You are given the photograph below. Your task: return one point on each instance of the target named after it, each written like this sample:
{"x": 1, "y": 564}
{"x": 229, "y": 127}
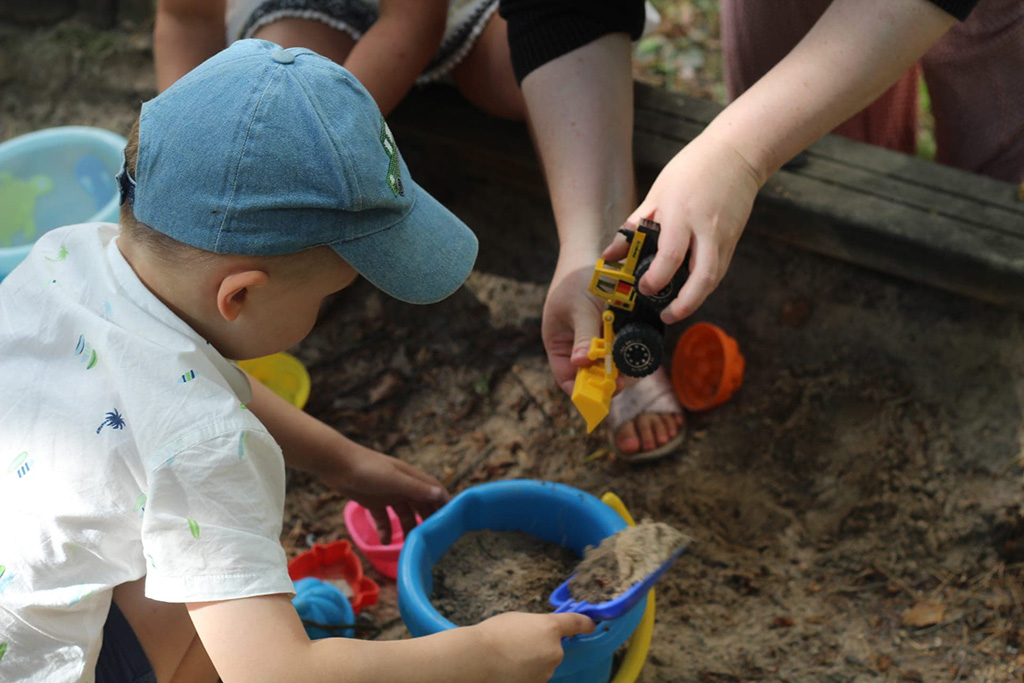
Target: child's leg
{"x": 757, "y": 35}
{"x": 165, "y": 632}
{"x": 485, "y": 76}
{"x": 309, "y": 33}
{"x": 977, "y": 94}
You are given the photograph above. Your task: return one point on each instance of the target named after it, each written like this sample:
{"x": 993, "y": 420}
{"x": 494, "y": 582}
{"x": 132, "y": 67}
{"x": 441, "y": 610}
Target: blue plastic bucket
{"x": 51, "y": 178}
{"x": 551, "y": 512}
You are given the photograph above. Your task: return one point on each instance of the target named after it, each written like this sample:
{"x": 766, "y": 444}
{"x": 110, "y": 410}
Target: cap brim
{"x": 422, "y": 259}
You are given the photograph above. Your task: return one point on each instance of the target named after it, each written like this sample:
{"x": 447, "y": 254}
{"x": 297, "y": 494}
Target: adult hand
{"x": 572, "y": 316}
{"x": 702, "y": 199}
{"x": 526, "y": 648}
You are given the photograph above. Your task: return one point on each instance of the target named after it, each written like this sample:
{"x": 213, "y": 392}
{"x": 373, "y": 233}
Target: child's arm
{"x": 262, "y": 639}
{"x": 704, "y": 196}
{"x": 373, "y": 479}
{"x": 397, "y": 47}
{"x": 186, "y": 33}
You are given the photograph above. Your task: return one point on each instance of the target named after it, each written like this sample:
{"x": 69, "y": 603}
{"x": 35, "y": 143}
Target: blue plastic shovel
{"x": 562, "y": 601}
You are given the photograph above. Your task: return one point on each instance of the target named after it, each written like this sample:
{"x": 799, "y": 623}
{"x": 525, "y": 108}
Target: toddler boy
{"x": 144, "y": 495}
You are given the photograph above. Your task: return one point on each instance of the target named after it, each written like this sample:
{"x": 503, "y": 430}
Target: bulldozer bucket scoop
{"x": 592, "y": 394}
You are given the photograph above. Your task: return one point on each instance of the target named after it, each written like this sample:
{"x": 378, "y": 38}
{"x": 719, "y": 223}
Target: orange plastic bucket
{"x": 707, "y": 367}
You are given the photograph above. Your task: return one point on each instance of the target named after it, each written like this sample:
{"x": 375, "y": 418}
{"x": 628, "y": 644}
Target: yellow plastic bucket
{"x": 283, "y": 374}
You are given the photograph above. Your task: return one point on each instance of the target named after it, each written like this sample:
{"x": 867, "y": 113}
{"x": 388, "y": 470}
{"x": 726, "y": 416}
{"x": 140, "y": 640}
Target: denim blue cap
{"x": 261, "y": 151}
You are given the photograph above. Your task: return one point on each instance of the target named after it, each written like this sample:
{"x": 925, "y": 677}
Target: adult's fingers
{"x": 673, "y": 244}
{"x": 617, "y": 250}
{"x": 560, "y": 350}
{"x": 704, "y": 277}
{"x": 563, "y": 370}
{"x": 586, "y": 326}
{"x": 567, "y": 354}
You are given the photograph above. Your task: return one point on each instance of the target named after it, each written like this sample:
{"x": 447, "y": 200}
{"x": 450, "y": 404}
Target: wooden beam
{"x": 879, "y": 209}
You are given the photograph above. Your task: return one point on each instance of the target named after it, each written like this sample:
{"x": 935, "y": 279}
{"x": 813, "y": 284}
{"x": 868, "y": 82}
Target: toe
{"x": 646, "y": 428}
{"x": 660, "y": 430}
{"x": 670, "y": 422}
{"x": 648, "y": 432}
{"x": 627, "y": 440}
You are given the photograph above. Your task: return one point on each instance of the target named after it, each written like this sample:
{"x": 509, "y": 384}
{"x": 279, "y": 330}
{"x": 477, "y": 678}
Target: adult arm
{"x": 703, "y": 197}
{"x": 581, "y": 112}
{"x": 573, "y": 60}
{"x": 397, "y": 47}
{"x": 186, "y": 33}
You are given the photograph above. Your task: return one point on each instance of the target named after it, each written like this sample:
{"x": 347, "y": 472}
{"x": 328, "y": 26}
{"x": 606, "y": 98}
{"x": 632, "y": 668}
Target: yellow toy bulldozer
{"x": 633, "y": 334}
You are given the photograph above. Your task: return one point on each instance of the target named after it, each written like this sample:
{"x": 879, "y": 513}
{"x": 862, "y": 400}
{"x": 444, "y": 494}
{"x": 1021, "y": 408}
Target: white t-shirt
{"x": 126, "y": 450}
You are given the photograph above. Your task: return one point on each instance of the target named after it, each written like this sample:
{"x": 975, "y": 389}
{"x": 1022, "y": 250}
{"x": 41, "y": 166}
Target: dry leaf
{"x": 924, "y": 614}
{"x": 386, "y": 387}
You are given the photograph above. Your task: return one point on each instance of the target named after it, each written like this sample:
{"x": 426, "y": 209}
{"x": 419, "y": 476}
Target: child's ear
{"x": 234, "y": 291}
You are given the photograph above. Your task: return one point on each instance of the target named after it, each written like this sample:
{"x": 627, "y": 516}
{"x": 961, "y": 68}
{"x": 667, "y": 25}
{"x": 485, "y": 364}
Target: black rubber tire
{"x": 638, "y": 350}
{"x": 660, "y": 300}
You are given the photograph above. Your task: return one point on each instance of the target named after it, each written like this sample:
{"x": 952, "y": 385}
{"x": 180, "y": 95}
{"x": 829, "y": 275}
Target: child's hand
{"x": 372, "y": 479}
{"x": 526, "y": 648}
{"x": 375, "y": 481}
{"x": 702, "y": 198}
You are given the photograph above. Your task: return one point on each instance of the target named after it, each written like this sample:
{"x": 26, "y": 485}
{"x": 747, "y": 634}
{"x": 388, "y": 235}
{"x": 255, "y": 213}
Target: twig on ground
{"x": 899, "y": 582}
{"x": 935, "y": 627}
{"x": 470, "y": 467}
{"x": 980, "y": 647}
{"x": 531, "y": 398}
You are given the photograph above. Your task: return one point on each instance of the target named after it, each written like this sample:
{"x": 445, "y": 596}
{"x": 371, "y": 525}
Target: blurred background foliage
{"x": 684, "y": 54}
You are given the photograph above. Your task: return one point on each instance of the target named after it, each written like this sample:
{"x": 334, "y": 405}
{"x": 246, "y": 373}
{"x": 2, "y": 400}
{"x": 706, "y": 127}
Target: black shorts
{"x": 122, "y": 659}
{"x": 541, "y": 30}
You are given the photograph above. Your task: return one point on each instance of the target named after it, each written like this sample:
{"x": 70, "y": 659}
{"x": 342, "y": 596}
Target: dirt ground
{"x": 857, "y": 509}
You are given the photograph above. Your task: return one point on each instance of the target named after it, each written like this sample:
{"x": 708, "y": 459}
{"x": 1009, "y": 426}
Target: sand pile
{"x": 607, "y": 571}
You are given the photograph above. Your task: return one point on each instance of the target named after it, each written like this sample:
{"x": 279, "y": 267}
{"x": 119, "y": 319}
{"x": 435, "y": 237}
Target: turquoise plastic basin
{"x": 51, "y": 178}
